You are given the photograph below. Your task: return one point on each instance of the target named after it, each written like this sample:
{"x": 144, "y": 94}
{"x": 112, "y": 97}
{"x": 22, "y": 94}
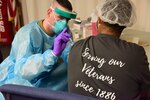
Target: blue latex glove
{"x": 60, "y": 42}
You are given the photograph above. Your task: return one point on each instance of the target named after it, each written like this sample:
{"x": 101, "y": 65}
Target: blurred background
{"x": 25, "y": 11}
{"x": 36, "y": 9}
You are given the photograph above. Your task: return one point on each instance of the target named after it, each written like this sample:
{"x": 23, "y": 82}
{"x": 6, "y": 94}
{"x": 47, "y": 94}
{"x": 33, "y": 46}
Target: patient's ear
{"x": 100, "y": 25}
{"x": 100, "y": 21}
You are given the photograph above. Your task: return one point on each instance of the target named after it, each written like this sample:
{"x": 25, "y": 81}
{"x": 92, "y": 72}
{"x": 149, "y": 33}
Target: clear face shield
{"x": 61, "y": 23}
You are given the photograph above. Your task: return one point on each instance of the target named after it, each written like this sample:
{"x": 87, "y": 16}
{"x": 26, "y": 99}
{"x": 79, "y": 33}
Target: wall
{"x": 36, "y": 9}
{"x": 143, "y": 15}
{"x": 84, "y": 7}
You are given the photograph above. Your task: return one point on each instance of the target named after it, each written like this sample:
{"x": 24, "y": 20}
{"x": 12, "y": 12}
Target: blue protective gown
{"x": 31, "y": 61}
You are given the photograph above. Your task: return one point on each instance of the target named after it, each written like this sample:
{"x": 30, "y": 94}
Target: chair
{"x": 18, "y": 92}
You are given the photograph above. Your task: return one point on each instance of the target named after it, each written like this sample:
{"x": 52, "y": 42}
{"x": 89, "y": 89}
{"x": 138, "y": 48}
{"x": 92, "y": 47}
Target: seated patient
{"x": 107, "y": 67}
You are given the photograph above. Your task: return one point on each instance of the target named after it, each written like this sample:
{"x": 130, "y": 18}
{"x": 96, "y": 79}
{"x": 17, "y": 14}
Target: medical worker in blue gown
{"x": 39, "y": 51}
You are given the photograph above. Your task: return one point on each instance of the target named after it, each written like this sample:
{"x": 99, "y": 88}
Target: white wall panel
{"x": 36, "y": 9}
